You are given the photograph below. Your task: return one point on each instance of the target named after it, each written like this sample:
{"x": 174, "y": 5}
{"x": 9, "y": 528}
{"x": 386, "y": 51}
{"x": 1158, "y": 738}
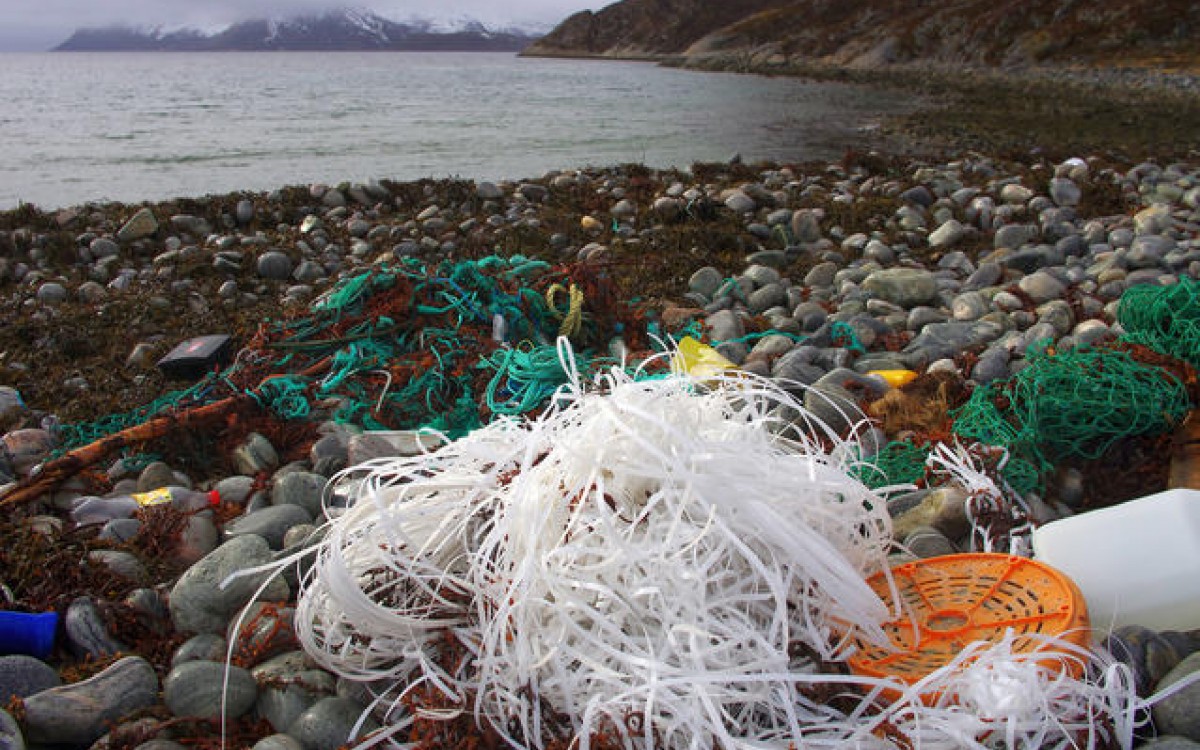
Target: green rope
{"x": 283, "y": 395}
{"x": 524, "y": 379}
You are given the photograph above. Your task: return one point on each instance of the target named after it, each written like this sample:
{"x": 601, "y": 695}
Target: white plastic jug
{"x": 1137, "y": 563}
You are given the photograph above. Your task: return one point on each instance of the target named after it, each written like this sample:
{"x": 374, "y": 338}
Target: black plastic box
{"x": 195, "y": 357}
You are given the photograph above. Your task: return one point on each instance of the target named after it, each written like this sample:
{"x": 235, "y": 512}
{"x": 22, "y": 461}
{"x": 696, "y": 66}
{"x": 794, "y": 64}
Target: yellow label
{"x": 161, "y": 496}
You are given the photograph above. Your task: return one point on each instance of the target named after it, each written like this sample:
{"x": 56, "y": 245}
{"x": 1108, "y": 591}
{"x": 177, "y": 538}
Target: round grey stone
{"x": 822, "y": 275}
{"x": 830, "y": 401}
{"x": 724, "y": 325}
{"x": 203, "y": 647}
{"x": 987, "y": 274}
{"x": 300, "y": 488}
{"x": 22, "y": 676}
{"x": 199, "y": 603}
{"x": 141, "y": 225}
{"x": 992, "y": 365}
{"x": 1013, "y": 236}
{"x": 906, "y": 287}
{"x": 488, "y": 191}
{"x": 797, "y": 366}
{"x": 254, "y": 455}
{"x": 274, "y": 265}
{"x": 199, "y": 688}
{"x": 328, "y": 724}
{"x": 970, "y": 306}
{"x": 1179, "y": 714}
{"x": 282, "y": 701}
{"x": 156, "y": 474}
{"x": 11, "y": 737}
{"x": 1042, "y": 287}
{"x": 739, "y": 202}
{"x": 52, "y": 293}
{"x": 244, "y": 212}
{"x": 1065, "y": 192}
{"x": 80, "y": 713}
{"x": 308, "y": 271}
{"x": 86, "y": 631}
{"x": 270, "y": 523}
{"x": 771, "y": 295}
{"x": 278, "y": 742}
{"x": 948, "y": 234}
{"x": 235, "y": 490}
{"x": 1170, "y": 742}
{"x": 806, "y": 228}
{"x": 103, "y": 247}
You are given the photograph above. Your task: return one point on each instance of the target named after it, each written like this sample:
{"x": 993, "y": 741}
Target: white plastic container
{"x": 1137, "y": 563}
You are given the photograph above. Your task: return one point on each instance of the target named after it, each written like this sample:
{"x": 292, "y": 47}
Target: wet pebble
{"x": 79, "y": 713}
{"x": 270, "y": 523}
{"x": 22, "y": 675}
{"x": 87, "y": 635}
{"x": 328, "y": 724}
{"x": 199, "y": 603}
{"x": 202, "y": 647}
{"x": 300, "y": 488}
{"x": 201, "y": 688}
{"x": 11, "y": 737}
{"x": 1179, "y": 714}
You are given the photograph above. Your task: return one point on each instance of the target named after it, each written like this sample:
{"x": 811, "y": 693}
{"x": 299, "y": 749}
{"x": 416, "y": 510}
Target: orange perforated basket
{"x": 948, "y": 602}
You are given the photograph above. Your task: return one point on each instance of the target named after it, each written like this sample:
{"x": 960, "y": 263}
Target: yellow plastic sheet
{"x": 701, "y": 360}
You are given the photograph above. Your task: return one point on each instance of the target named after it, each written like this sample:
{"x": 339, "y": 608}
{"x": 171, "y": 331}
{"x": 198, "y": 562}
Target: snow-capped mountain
{"x": 345, "y": 29}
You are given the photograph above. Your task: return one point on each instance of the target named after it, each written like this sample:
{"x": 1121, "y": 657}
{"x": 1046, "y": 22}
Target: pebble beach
{"x": 962, "y": 269}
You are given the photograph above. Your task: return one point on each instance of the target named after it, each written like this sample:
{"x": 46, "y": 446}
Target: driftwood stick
{"x": 69, "y": 464}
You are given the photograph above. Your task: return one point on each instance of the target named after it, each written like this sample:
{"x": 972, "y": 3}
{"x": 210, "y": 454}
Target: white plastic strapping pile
{"x": 638, "y": 565}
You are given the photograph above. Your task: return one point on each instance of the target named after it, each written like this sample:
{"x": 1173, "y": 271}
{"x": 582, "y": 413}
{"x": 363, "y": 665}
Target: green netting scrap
{"x": 898, "y": 462}
{"x": 1074, "y": 403}
{"x": 1164, "y": 318}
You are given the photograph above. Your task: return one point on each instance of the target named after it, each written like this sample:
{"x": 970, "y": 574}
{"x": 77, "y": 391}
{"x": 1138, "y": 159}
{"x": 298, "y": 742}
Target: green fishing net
{"x": 1076, "y": 403}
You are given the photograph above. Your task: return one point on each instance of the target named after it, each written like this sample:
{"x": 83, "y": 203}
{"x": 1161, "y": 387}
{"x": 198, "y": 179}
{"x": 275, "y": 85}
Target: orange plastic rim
{"x": 951, "y": 601}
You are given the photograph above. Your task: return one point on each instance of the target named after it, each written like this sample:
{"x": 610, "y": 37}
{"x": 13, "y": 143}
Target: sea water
{"x": 79, "y": 127}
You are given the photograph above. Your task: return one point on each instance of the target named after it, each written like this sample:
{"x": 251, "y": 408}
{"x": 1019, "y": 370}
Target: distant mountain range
{"x": 335, "y": 30}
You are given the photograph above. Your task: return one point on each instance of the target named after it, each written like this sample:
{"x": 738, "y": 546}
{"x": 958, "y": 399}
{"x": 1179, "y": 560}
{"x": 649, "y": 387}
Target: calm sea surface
{"x": 77, "y": 127}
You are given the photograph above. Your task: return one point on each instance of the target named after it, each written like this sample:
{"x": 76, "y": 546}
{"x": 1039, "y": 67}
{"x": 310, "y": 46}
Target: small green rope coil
{"x": 283, "y": 395}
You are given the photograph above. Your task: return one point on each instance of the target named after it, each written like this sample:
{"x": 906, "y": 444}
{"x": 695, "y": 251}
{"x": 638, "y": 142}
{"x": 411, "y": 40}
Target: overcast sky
{"x": 40, "y": 24}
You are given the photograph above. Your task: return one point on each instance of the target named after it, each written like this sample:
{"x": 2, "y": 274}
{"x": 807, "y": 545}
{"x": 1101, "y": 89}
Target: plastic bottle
{"x": 179, "y": 498}
{"x": 101, "y": 510}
